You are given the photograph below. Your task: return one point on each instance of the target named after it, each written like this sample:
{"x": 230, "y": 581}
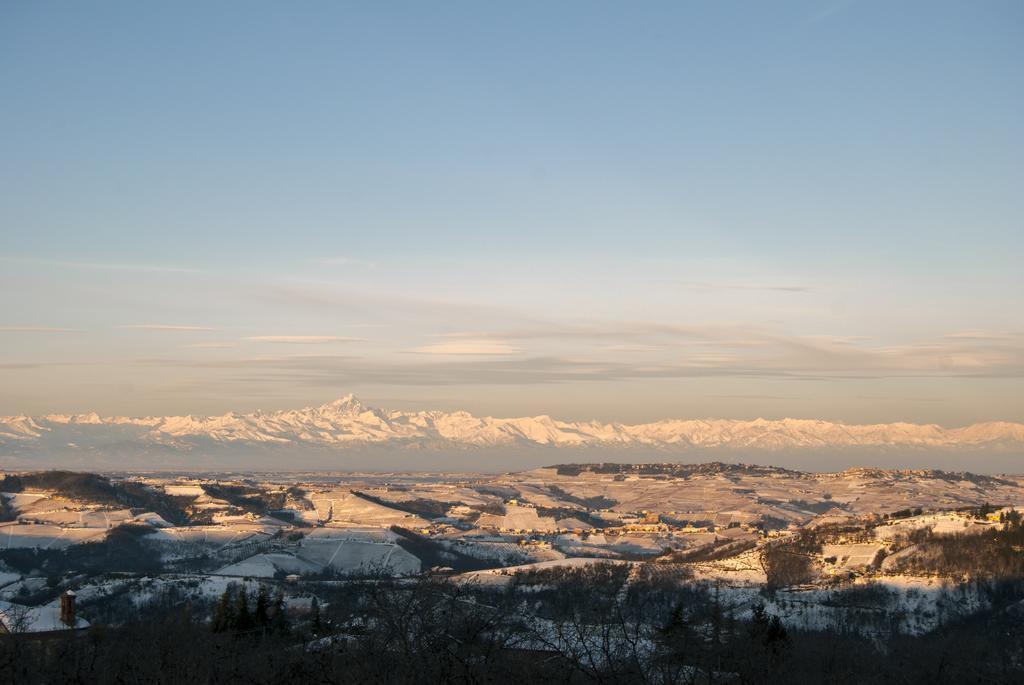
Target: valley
{"x": 705, "y": 525}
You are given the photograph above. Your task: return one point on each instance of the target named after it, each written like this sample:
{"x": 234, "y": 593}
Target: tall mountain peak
{"x": 347, "y": 404}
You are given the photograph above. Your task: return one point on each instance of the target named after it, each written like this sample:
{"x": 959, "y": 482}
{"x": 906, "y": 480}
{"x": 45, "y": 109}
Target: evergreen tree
{"x": 776, "y": 635}
{"x": 224, "y": 616}
{"x": 760, "y": 620}
{"x": 280, "y": 619}
{"x": 677, "y": 636}
{"x": 261, "y": 617}
{"x": 314, "y": 617}
{"x": 768, "y": 637}
{"x": 243, "y": 618}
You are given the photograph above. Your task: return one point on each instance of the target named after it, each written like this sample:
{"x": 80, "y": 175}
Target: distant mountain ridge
{"x": 347, "y": 422}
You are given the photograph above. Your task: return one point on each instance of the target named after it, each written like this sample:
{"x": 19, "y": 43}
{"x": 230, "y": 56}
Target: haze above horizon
{"x": 588, "y": 211}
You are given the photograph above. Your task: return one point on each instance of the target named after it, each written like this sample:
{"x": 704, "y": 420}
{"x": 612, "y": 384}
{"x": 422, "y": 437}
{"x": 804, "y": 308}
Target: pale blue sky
{"x": 623, "y": 211}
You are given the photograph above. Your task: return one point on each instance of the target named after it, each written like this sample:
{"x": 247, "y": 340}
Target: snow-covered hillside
{"x": 348, "y": 422}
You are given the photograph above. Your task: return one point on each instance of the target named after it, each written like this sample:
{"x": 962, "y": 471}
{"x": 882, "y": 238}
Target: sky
{"x": 620, "y": 211}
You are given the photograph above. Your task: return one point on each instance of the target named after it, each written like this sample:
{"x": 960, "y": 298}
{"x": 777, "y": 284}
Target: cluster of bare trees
{"x": 784, "y": 567}
{"x": 996, "y": 554}
{"x": 581, "y": 626}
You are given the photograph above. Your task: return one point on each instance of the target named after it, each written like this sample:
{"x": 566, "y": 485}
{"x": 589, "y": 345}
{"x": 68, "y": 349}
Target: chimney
{"x": 67, "y": 609}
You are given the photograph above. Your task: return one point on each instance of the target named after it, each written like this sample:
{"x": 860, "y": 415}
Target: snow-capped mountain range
{"x": 348, "y": 423}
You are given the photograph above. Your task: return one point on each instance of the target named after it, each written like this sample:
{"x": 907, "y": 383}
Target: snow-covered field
{"x": 355, "y": 550}
{"x": 343, "y": 508}
{"x": 713, "y": 521}
{"x": 503, "y": 576}
{"x": 46, "y": 536}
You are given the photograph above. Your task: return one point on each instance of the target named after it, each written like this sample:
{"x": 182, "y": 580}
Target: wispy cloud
{"x": 100, "y": 266}
{"x": 486, "y": 361}
{"x": 212, "y": 346}
{"x": 605, "y": 330}
{"x": 17, "y": 366}
{"x": 785, "y": 288}
{"x": 341, "y": 371}
{"x": 37, "y": 329}
{"x": 976, "y": 334}
{"x": 334, "y": 296}
{"x": 632, "y": 348}
{"x": 758, "y": 398}
{"x": 304, "y": 339}
{"x": 469, "y": 347}
{"x": 167, "y": 327}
